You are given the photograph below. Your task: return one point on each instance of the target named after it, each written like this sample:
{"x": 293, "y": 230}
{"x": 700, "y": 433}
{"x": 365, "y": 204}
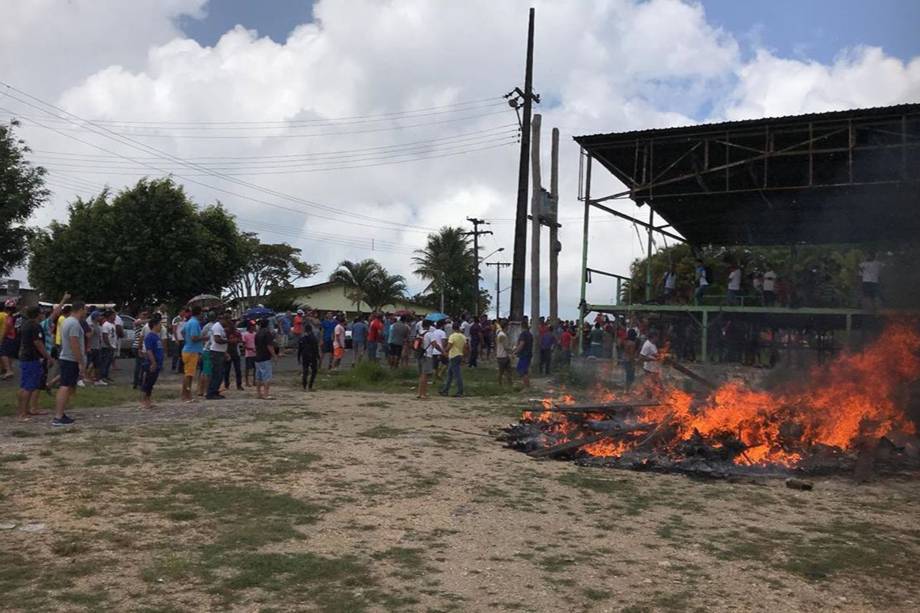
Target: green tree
{"x": 385, "y": 289}
{"x": 448, "y": 263}
{"x": 148, "y": 244}
{"x": 357, "y": 278}
{"x": 269, "y": 268}
{"x": 22, "y": 190}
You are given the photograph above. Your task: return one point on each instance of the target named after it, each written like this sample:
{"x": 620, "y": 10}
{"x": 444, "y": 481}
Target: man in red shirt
{"x": 374, "y": 337}
{"x": 565, "y": 343}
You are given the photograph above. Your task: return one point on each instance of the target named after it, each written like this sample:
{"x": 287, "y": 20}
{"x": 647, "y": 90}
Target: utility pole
{"x": 520, "y": 218}
{"x": 475, "y": 234}
{"x": 498, "y": 282}
{"x": 554, "y": 245}
{"x": 535, "y": 213}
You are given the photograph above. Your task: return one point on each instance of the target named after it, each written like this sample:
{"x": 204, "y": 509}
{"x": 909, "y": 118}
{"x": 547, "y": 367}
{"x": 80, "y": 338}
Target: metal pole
{"x": 648, "y": 255}
{"x": 705, "y": 341}
{"x": 554, "y": 230}
{"x": 535, "y": 226}
{"x": 584, "y": 259}
{"x": 520, "y": 218}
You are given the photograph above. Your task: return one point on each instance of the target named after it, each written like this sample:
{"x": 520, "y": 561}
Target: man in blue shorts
{"x": 72, "y": 362}
{"x": 524, "y": 351}
{"x": 32, "y": 353}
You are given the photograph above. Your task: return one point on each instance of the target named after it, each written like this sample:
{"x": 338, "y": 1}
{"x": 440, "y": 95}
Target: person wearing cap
{"x": 297, "y": 325}
{"x": 72, "y": 361}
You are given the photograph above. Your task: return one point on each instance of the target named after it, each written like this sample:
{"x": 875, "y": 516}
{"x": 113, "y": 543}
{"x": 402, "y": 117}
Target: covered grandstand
{"x": 845, "y": 177}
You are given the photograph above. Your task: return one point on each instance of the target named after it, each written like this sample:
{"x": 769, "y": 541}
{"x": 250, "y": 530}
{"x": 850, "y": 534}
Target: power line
{"x": 293, "y": 156}
{"x": 448, "y": 108}
{"x": 141, "y": 146}
{"x": 97, "y": 169}
{"x": 285, "y": 135}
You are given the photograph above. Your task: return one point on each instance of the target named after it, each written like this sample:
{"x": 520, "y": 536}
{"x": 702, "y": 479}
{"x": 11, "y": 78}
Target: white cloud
{"x": 606, "y": 66}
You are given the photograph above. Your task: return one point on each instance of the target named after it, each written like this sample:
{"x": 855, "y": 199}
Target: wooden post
{"x": 535, "y": 226}
{"x": 520, "y": 217}
{"x": 554, "y": 231}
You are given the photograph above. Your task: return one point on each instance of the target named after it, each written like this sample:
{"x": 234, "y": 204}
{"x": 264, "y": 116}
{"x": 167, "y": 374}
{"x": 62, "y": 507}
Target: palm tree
{"x": 447, "y": 263}
{"x": 385, "y": 289}
{"x": 357, "y": 277}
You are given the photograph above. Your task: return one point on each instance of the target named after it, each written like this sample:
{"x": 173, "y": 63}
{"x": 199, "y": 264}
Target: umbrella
{"x": 258, "y": 313}
{"x": 206, "y": 301}
{"x": 435, "y": 316}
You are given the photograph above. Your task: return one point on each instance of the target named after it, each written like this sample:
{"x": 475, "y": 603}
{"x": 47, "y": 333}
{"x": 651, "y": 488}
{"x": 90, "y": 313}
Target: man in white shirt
{"x": 702, "y": 279}
{"x": 651, "y": 366}
{"x": 217, "y": 346}
{"x": 870, "y": 271}
{"x": 502, "y": 352}
{"x": 769, "y": 287}
{"x": 433, "y": 346}
{"x": 734, "y": 284}
{"x": 109, "y": 344}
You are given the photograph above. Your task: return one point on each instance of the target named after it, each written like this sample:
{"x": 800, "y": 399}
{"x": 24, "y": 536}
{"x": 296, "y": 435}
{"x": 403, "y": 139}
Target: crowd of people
{"x": 75, "y": 345}
{"x": 761, "y": 286}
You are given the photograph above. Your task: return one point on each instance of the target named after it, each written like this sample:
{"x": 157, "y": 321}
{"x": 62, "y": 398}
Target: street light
{"x": 499, "y": 250}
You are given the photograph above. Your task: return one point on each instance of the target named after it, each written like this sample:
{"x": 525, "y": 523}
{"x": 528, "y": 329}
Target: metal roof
{"x": 841, "y": 176}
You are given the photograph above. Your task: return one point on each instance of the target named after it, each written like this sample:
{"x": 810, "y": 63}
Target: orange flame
{"x": 858, "y": 396}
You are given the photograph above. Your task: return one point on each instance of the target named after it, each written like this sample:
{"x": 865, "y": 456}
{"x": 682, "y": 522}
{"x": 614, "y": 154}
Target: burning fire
{"x": 858, "y": 397}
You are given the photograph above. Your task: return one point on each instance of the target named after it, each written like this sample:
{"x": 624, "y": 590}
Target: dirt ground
{"x": 350, "y": 501}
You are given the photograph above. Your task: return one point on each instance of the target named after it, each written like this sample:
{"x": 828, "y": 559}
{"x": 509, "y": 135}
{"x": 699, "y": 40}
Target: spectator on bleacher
{"x": 870, "y": 270}
{"x": 702, "y": 279}
{"x": 769, "y": 287}
{"x": 734, "y": 285}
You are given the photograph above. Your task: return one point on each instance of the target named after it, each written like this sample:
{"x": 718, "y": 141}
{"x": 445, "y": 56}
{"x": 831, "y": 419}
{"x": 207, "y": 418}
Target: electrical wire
{"x": 443, "y": 108}
{"x": 296, "y": 156}
{"x": 143, "y": 147}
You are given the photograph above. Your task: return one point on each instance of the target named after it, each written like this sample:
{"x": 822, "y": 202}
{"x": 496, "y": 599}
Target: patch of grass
{"x": 169, "y": 567}
{"x": 373, "y": 377}
{"x": 593, "y": 594}
{"x": 96, "y": 397}
{"x": 182, "y": 515}
{"x": 69, "y": 547}
{"x": 85, "y": 511}
{"x": 376, "y": 404}
{"x": 293, "y": 462}
{"x": 382, "y": 431}
{"x": 23, "y": 434}
{"x": 13, "y": 457}
{"x": 555, "y": 563}
{"x": 90, "y": 600}
{"x": 334, "y": 584}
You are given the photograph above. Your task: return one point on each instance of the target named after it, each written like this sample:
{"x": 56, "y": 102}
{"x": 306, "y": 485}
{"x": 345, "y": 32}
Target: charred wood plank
{"x": 686, "y": 371}
{"x": 548, "y": 452}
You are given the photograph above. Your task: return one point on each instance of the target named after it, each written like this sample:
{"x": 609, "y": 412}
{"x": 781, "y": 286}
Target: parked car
{"x": 128, "y": 339}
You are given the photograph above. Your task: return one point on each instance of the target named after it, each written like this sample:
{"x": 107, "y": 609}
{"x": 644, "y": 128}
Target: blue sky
{"x": 815, "y": 29}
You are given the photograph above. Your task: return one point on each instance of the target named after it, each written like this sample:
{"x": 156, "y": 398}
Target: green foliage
{"x": 22, "y": 190}
{"x": 816, "y": 275}
{"x": 149, "y": 244}
{"x": 269, "y": 268}
{"x": 369, "y": 282}
{"x": 448, "y": 263}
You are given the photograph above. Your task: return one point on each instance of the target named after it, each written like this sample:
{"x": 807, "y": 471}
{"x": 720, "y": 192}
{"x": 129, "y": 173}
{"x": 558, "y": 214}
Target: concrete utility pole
{"x": 520, "y": 218}
{"x": 535, "y": 211}
{"x": 554, "y": 245}
{"x": 475, "y": 234}
{"x": 498, "y": 282}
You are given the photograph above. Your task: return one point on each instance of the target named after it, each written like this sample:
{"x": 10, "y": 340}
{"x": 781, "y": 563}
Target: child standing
{"x": 153, "y": 360}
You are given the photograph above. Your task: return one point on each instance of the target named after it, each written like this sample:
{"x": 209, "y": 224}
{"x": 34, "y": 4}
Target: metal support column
{"x": 648, "y": 255}
{"x": 705, "y": 342}
{"x": 584, "y": 260}
{"x": 848, "y": 339}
